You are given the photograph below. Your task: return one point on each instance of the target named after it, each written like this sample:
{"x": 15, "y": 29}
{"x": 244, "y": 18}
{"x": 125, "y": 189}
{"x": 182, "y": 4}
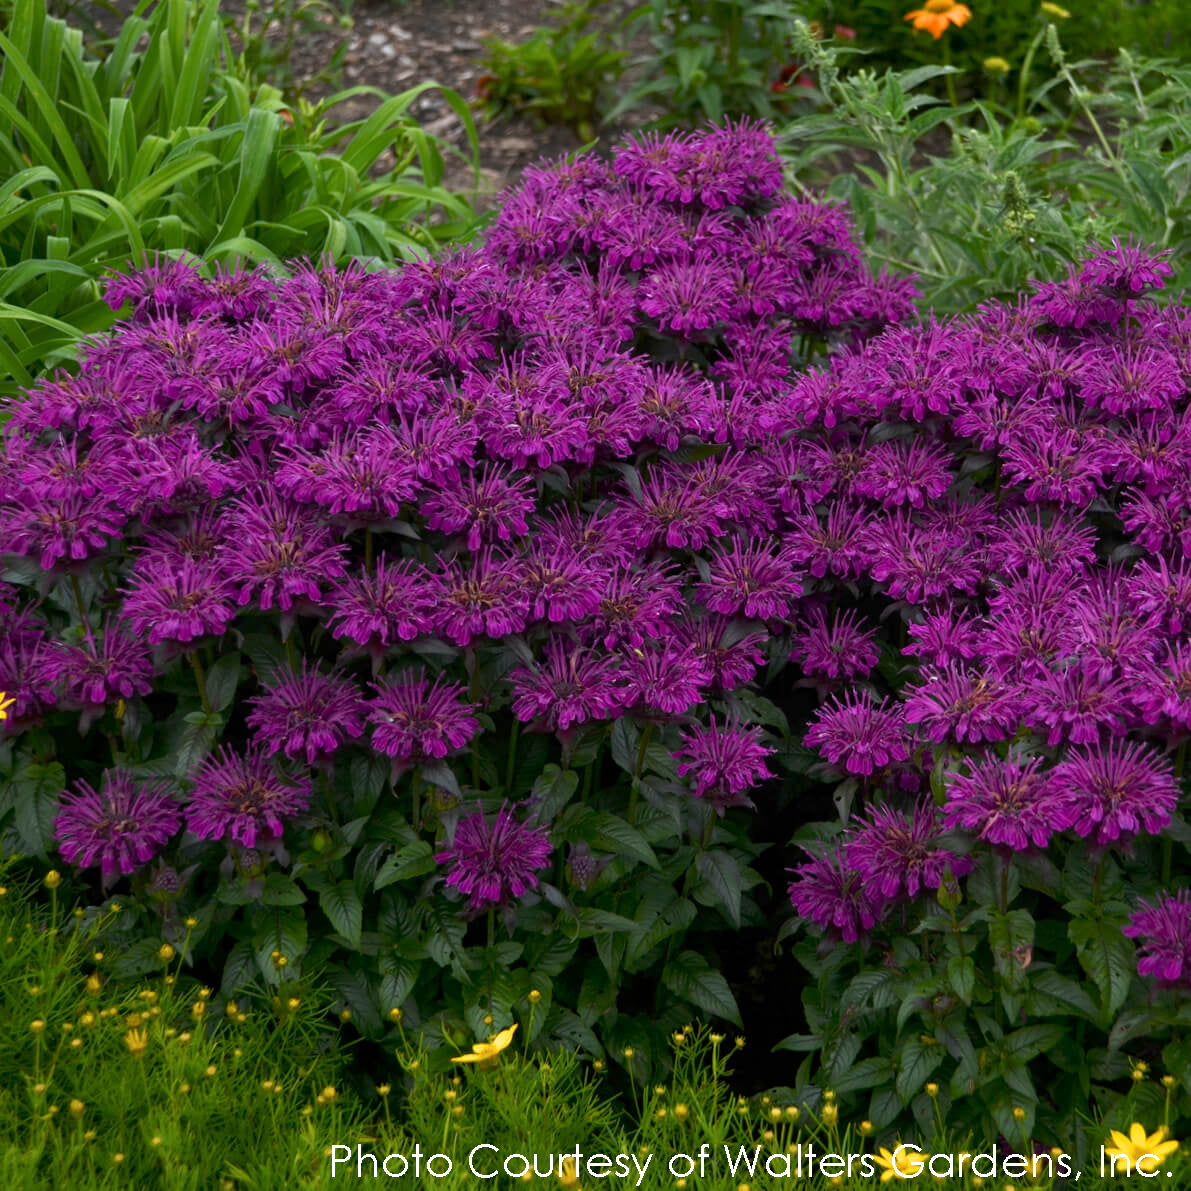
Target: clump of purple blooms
{"x": 591, "y": 449}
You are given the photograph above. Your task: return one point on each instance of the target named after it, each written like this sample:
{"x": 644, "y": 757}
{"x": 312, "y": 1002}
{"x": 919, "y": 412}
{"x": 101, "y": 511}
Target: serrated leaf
{"x": 721, "y": 873}
{"x": 222, "y": 680}
{"x": 915, "y": 1066}
{"x": 413, "y": 860}
{"x": 281, "y": 890}
{"x": 690, "y": 977}
{"x": 341, "y": 904}
{"x": 610, "y": 833}
{"x": 551, "y": 792}
{"x": 961, "y": 975}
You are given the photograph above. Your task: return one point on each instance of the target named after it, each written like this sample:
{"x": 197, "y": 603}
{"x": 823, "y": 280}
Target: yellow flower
{"x": 5, "y": 704}
{"x": 937, "y": 16}
{"x": 137, "y": 1042}
{"x": 1144, "y": 1154}
{"x": 485, "y": 1051}
{"x": 1054, "y": 10}
{"x": 906, "y": 1162}
{"x": 568, "y": 1176}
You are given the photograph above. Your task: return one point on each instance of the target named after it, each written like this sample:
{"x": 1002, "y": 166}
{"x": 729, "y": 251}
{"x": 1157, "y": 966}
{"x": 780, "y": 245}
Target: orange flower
{"x": 938, "y": 16}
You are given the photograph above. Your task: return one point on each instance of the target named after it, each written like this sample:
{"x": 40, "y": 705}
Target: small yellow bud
{"x": 597, "y": 1064}
{"x": 77, "y": 1108}
{"x": 198, "y": 1009}
{"x": 231, "y": 1009}
{"x": 38, "y": 1089}
{"x": 155, "y": 1141}
{"x": 792, "y": 1112}
{"x": 739, "y": 1043}
{"x": 329, "y": 1093}
{"x": 866, "y": 1128}
{"x": 383, "y": 1089}
{"x": 1054, "y": 10}
{"x": 830, "y": 1114}
{"x": 165, "y": 953}
{"x": 996, "y": 66}
{"x": 457, "y": 1111}
{"x": 775, "y": 1113}
{"x": 75, "y": 1043}
{"x": 661, "y": 1114}
{"x": 117, "y": 1159}
{"x": 932, "y": 1090}
{"x": 292, "y": 1004}
{"x": 1019, "y": 1113}
{"x": 37, "y": 1025}
{"x": 395, "y": 1014}
{"x": 94, "y": 984}
{"x": 534, "y": 996}
{"x": 204, "y": 994}
{"x": 191, "y": 923}
{"x": 90, "y": 1135}
{"x": 53, "y": 879}
{"x": 345, "y": 1015}
{"x": 628, "y": 1052}
{"x": 681, "y": 1112}
{"x": 1168, "y": 1081}
{"x": 184, "y": 1088}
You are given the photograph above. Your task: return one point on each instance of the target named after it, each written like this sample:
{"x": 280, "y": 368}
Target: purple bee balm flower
{"x": 668, "y": 677}
{"x": 167, "y": 283}
{"x": 490, "y": 505}
{"x": 836, "y": 544}
{"x": 419, "y": 721}
{"x": 964, "y": 705}
{"x": 562, "y": 585}
{"x": 1013, "y": 803}
{"x": 916, "y": 562}
{"x": 1078, "y": 705}
{"x": 898, "y": 854}
{"x": 1163, "y": 591}
{"x": 243, "y": 798}
{"x": 828, "y": 892}
{"x": 65, "y": 527}
{"x": 486, "y": 598}
{"x": 189, "y": 600}
{"x": 1161, "y": 689}
{"x": 120, "y": 827}
{"x": 99, "y": 670}
{"x": 1061, "y": 465}
{"x": 1127, "y": 270}
{"x": 910, "y": 472}
{"x": 573, "y": 684}
{"x": 757, "y": 579}
{"x": 1056, "y": 542}
{"x": 678, "y": 513}
{"x": 674, "y": 403}
{"x": 686, "y": 296}
{"x": 945, "y": 636}
{"x": 307, "y": 714}
{"x": 724, "y": 762}
{"x": 858, "y": 734}
{"x": 494, "y": 863}
{"x": 393, "y": 603}
{"x": 840, "y": 650}
{"x": 1121, "y": 789}
{"x": 731, "y": 651}
{"x": 277, "y": 551}
{"x": 634, "y": 605}
{"x": 1164, "y": 928}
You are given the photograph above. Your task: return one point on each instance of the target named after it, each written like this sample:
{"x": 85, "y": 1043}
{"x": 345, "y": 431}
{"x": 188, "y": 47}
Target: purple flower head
{"x": 829, "y": 892}
{"x": 724, "y": 762}
{"x": 417, "y": 720}
{"x": 121, "y": 827}
{"x": 669, "y": 676}
{"x": 1126, "y": 270}
{"x": 687, "y": 297}
{"x": 562, "y": 585}
{"x": 102, "y": 669}
{"x": 1164, "y": 928}
{"x": 1120, "y": 790}
{"x": 899, "y": 854}
{"x": 909, "y": 472}
{"x": 573, "y": 684}
{"x": 634, "y": 606}
{"x": 490, "y": 505}
{"x": 243, "y": 798}
{"x": 493, "y": 863}
{"x": 962, "y": 704}
{"x": 276, "y": 551}
{"x": 166, "y": 284}
{"x": 189, "y": 600}
{"x": 858, "y": 734}
{"x": 757, "y": 579}
{"x": 841, "y": 650}
{"x": 393, "y": 603}
{"x": 485, "y": 598}
{"x": 731, "y": 650}
{"x": 308, "y": 714}
{"x": 1014, "y": 803}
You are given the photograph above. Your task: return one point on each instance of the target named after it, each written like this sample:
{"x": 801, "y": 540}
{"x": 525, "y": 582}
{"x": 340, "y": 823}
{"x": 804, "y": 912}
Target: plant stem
{"x": 510, "y": 767}
{"x": 646, "y": 734}
{"x": 200, "y": 679}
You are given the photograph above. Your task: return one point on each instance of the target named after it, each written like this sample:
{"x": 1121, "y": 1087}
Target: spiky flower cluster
{"x": 398, "y": 458}
{"x": 583, "y": 469}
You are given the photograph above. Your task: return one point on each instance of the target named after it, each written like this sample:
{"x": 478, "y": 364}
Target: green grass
{"x": 161, "y": 1084}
